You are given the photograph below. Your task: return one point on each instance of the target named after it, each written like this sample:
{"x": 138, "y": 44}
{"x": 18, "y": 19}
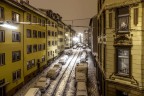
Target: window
{"x": 43, "y": 58}
{"x": 123, "y": 20}
{"x": 43, "y": 47}
{"x": 1, "y": 13}
{"x": 16, "y": 36}
{"x": 53, "y": 43}
{"x": 43, "y": 34}
{"x": 55, "y": 34}
{"x": 121, "y": 93}
{"x": 30, "y": 64}
{"x": 29, "y": 33}
{"x": 16, "y": 56}
{"x": 136, "y": 16}
{"x": 48, "y": 54}
{"x": 29, "y": 49}
{"x": 34, "y": 34}
{"x": 39, "y": 21}
{"x": 39, "y": 47}
{"x": 16, "y": 75}
{"x": 29, "y": 17}
{"x": 49, "y": 43}
{"x": 49, "y": 33}
{"x": 2, "y": 36}
{"x": 35, "y": 48}
{"x": 34, "y": 19}
{"x": 61, "y": 39}
{"x": 39, "y": 34}
{"x": 123, "y": 61}
{"x": 2, "y": 59}
{"x": 15, "y": 17}
{"x": 43, "y": 22}
{"x": 110, "y": 20}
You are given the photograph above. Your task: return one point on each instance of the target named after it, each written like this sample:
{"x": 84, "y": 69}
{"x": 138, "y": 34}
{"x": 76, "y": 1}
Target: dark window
{"x": 2, "y": 36}
{"x": 39, "y": 47}
{"x": 43, "y": 34}
{"x": 29, "y": 19}
{"x": 15, "y": 17}
{"x": 123, "y": 61}
{"x": 49, "y": 33}
{"x": 110, "y": 20}
{"x": 29, "y": 33}
{"x": 30, "y": 64}
{"x": 16, "y": 56}
{"x": 34, "y": 19}
{"x": 49, "y": 43}
{"x": 53, "y": 43}
{"x": 39, "y": 21}
{"x": 1, "y": 13}
{"x": 55, "y": 33}
{"x": 2, "y": 59}
{"x": 16, "y": 36}
{"x": 34, "y": 34}
{"x": 61, "y": 39}
{"x": 123, "y": 19}
{"x": 29, "y": 49}
{"x": 35, "y": 48}
{"x": 43, "y": 22}
{"x": 39, "y": 34}
{"x": 52, "y": 33}
{"x": 136, "y": 16}
{"x": 16, "y": 75}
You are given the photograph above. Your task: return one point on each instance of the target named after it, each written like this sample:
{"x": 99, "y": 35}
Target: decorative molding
{"x": 123, "y": 39}
{"x": 132, "y": 80}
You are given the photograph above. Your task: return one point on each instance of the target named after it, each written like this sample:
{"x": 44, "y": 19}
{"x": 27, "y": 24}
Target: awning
{"x": 6, "y": 83}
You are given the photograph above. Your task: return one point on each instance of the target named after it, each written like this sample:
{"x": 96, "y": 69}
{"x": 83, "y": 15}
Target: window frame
{"x": 29, "y": 47}
{"x": 17, "y": 76}
{"x": 16, "y": 58}
{"x": 120, "y": 17}
{"x": 2, "y": 35}
{"x": 2, "y": 59}
{"x": 15, "y": 39}
{"x": 15, "y": 18}
{"x": 117, "y": 62}
{"x": 2, "y": 14}
{"x": 29, "y": 33}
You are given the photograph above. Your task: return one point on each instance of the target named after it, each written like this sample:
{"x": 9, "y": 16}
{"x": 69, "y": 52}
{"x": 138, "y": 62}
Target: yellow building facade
{"x": 25, "y": 49}
{"x": 11, "y": 48}
{"x": 119, "y": 52}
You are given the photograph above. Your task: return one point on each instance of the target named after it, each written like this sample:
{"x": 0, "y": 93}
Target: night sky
{"x": 70, "y": 10}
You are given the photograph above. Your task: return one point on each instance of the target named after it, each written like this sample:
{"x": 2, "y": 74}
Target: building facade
{"x": 119, "y": 59}
{"x": 25, "y": 50}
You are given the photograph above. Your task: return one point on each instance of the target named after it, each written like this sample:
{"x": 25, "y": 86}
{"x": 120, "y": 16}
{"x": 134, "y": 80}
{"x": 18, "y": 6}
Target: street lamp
{"x": 7, "y": 24}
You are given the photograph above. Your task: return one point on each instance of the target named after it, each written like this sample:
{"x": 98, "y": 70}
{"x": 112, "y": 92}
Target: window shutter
{"x": 136, "y": 16}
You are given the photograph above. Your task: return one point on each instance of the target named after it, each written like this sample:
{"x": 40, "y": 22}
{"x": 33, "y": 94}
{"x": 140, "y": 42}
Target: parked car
{"x": 81, "y": 89}
{"x": 58, "y": 66}
{"x": 43, "y": 83}
{"x": 74, "y": 47}
{"x": 33, "y": 92}
{"x": 63, "y": 60}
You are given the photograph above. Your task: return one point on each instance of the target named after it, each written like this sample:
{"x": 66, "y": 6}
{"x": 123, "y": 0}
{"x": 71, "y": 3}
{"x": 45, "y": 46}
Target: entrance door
{"x": 2, "y": 91}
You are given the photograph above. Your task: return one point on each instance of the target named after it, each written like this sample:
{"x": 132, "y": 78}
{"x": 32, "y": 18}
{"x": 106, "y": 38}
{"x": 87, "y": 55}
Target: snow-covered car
{"x": 69, "y": 52}
{"x": 63, "y": 60}
{"x": 81, "y": 89}
{"x": 58, "y": 66}
{"x": 42, "y": 83}
{"x": 33, "y": 92}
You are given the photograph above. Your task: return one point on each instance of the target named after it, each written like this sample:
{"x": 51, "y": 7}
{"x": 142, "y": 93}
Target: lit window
{"x": 15, "y": 17}
{"x": 123, "y": 61}
{"x": 123, "y": 20}
{"x": 2, "y": 36}
{"x": 16, "y": 36}
{"x": 16, "y": 56}
{"x": 2, "y": 59}
{"x": 30, "y": 64}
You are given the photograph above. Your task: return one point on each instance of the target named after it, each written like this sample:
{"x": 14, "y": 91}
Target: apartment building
{"x": 25, "y": 33}
{"x": 67, "y": 37}
{"x": 119, "y": 26}
{"x": 11, "y": 47}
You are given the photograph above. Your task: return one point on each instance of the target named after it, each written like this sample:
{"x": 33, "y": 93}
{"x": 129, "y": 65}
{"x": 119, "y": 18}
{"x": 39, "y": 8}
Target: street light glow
{"x": 75, "y": 39}
{"x": 8, "y": 26}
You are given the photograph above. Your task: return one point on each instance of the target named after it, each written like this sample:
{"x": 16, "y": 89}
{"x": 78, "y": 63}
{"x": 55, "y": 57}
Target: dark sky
{"x": 70, "y": 10}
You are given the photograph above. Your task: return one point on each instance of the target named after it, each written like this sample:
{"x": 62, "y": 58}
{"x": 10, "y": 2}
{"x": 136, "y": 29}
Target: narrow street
{"x": 65, "y": 83}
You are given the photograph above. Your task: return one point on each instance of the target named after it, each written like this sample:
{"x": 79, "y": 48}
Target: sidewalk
{"x": 92, "y": 82}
